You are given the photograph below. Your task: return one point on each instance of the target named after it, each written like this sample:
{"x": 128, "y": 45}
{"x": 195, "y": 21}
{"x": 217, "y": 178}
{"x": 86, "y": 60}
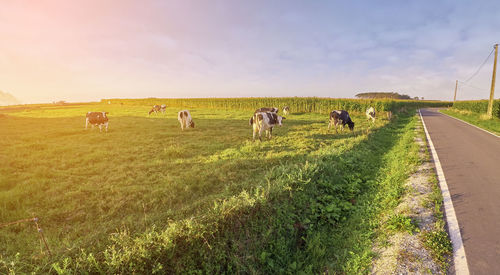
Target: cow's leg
{"x": 329, "y": 125}
{"x": 100, "y": 128}
{"x": 86, "y": 123}
{"x": 260, "y": 133}
{"x": 270, "y": 133}
{"x": 106, "y": 124}
{"x": 255, "y": 130}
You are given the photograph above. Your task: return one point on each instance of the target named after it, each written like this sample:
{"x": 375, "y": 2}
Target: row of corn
{"x": 478, "y": 106}
{"x": 296, "y": 104}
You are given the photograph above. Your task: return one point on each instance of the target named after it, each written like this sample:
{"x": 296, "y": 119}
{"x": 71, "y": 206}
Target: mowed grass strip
{"x": 479, "y": 119}
{"x": 86, "y": 185}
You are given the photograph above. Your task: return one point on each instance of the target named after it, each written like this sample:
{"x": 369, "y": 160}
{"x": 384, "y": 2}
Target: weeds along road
{"x": 470, "y": 159}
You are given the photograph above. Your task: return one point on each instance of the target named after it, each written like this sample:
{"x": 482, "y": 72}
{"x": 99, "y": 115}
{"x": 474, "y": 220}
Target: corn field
{"x": 478, "y": 106}
{"x": 296, "y": 104}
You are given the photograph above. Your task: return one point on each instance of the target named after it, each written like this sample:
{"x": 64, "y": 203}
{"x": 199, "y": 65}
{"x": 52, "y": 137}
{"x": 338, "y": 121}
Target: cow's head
{"x": 351, "y": 125}
{"x": 192, "y": 124}
{"x": 280, "y": 120}
{"x": 104, "y": 114}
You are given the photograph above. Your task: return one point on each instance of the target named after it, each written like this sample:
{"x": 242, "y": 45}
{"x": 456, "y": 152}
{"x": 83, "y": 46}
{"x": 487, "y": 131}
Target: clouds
{"x": 87, "y": 50}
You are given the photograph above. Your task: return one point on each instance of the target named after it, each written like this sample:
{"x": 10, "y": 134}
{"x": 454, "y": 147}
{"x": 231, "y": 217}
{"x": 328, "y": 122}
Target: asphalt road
{"x": 470, "y": 159}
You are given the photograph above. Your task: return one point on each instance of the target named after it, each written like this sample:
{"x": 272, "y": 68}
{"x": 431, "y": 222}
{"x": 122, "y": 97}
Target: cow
{"x": 370, "y": 114}
{"x": 267, "y": 109}
{"x": 155, "y": 109}
{"x": 158, "y": 108}
{"x": 97, "y": 118}
{"x": 265, "y": 121}
{"x": 286, "y": 110}
{"x": 340, "y": 117}
{"x": 185, "y": 119}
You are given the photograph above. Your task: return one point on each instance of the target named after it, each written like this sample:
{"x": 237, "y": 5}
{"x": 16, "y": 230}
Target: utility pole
{"x": 492, "y": 92}
{"x": 455, "y": 97}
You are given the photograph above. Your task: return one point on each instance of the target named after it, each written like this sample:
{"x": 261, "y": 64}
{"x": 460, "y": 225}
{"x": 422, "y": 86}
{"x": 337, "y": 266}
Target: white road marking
{"x": 459, "y": 258}
{"x": 472, "y": 125}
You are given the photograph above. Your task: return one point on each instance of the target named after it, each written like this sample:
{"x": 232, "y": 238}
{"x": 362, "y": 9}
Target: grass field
{"x": 147, "y": 197}
{"x": 478, "y": 119}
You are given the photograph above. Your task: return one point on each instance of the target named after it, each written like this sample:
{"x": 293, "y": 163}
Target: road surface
{"x": 470, "y": 159}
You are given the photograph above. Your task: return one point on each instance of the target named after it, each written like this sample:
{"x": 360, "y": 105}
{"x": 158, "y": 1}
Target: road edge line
{"x": 491, "y": 133}
{"x": 459, "y": 258}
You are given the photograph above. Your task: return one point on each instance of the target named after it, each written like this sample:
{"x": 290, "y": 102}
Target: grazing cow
{"x": 340, "y": 117}
{"x": 185, "y": 119}
{"x": 265, "y": 121}
{"x": 370, "y": 114}
{"x": 155, "y": 109}
{"x": 97, "y": 118}
{"x": 286, "y": 110}
{"x": 267, "y": 109}
{"x": 158, "y": 108}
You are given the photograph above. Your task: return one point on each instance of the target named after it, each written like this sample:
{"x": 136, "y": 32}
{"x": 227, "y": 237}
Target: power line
{"x": 480, "y": 67}
{"x": 471, "y": 86}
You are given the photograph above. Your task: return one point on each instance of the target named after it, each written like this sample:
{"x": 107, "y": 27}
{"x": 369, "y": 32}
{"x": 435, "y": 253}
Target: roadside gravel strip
{"x": 406, "y": 251}
{"x": 459, "y": 257}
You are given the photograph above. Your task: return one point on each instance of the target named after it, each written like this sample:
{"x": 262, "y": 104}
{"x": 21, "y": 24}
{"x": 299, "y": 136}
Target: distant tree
{"x": 8, "y": 99}
{"x": 383, "y": 95}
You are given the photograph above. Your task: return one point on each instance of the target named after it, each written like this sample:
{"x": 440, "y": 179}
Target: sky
{"x": 79, "y": 50}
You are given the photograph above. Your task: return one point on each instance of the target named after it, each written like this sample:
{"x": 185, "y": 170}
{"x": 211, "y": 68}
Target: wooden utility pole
{"x": 456, "y": 87}
{"x": 492, "y": 91}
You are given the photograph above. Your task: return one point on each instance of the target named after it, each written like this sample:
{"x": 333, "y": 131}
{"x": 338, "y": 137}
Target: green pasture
{"x": 146, "y": 196}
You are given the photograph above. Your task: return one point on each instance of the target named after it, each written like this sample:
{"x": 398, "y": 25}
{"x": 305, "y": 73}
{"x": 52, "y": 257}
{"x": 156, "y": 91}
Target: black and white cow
{"x": 286, "y": 110}
{"x": 370, "y": 114}
{"x": 340, "y": 117}
{"x": 158, "y": 108}
{"x": 267, "y": 109}
{"x": 265, "y": 121}
{"x": 97, "y": 118}
{"x": 185, "y": 119}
